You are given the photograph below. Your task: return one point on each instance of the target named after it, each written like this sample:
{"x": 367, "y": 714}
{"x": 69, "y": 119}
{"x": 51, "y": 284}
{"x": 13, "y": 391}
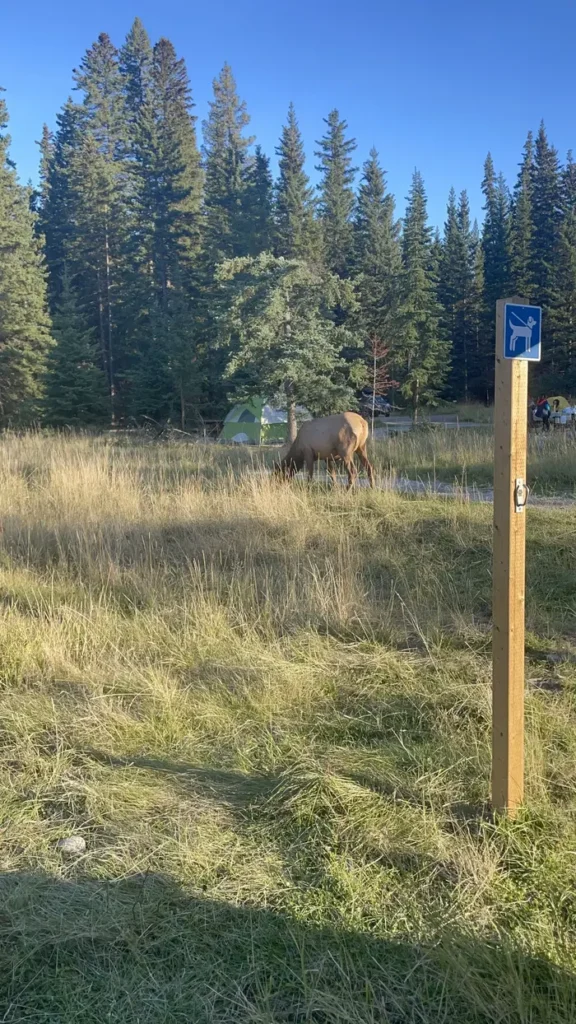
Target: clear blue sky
{"x": 433, "y": 84}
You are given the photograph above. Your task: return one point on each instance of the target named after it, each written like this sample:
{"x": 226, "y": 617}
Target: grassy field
{"x": 465, "y": 457}
{"x": 267, "y": 711}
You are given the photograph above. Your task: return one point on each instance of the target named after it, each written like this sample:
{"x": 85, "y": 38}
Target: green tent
{"x": 254, "y": 422}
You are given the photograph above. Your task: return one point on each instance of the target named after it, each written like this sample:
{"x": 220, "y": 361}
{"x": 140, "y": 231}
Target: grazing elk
{"x": 331, "y": 438}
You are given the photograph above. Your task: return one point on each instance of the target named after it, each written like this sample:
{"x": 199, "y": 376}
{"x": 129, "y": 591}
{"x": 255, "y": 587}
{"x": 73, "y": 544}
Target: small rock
{"x": 73, "y": 845}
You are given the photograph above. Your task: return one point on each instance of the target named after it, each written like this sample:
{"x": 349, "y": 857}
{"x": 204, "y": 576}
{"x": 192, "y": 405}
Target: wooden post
{"x": 510, "y": 429}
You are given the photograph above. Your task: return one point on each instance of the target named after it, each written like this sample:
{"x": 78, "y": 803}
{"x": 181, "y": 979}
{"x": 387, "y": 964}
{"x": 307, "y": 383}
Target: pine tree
{"x": 481, "y": 361}
{"x": 136, "y": 70}
{"x": 286, "y": 340}
{"x": 547, "y": 218}
{"x": 225, "y": 232}
{"x": 296, "y": 229}
{"x": 24, "y": 324}
{"x": 76, "y": 385}
{"x": 41, "y": 195}
{"x": 337, "y": 198}
{"x": 225, "y": 157}
{"x": 56, "y": 212}
{"x": 165, "y": 209}
{"x": 257, "y": 205}
{"x": 522, "y": 227}
{"x": 377, "y": 259}
{"x": 99, "y": 176}
{"x": 456, "y": 272}
{"x": 91, "y": 256}
{"x": 495, "y": 241}
{"x": 174, "y": 180}
{"x": 565, "y": 325}
{"x": 420, "y": 354}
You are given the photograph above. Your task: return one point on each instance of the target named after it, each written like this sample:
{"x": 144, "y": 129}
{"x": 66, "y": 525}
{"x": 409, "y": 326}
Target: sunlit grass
{"x": 267, "y": 710}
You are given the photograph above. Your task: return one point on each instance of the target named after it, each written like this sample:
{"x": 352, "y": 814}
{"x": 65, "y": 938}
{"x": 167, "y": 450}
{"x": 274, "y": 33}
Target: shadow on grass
{"x": 141, "y": 949}
{"x": 233, "y": 788}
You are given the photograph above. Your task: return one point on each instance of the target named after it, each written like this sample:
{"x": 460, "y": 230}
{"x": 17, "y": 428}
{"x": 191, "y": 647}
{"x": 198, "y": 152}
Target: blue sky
{"x": 433, "y": 84}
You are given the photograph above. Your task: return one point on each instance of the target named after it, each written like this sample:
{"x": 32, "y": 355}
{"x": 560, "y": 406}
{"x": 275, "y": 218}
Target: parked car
{"x": 381, "y": 405}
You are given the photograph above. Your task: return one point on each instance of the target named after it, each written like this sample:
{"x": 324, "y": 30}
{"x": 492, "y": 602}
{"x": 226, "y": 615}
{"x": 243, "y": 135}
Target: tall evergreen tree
{"x": 41, "y": 195}
{"x": 24, "y": 324}
{"x": 377, "y": 257}
{"x": 456, "y": 275}
{"x": 565, "y": 326}
{"x": 547, "y": 218}
{"x": 225, "y": 230}
{"x": 136, "y": 70}
{"x": 420, "y": 354}
{"x": 166, "y": 245}
{"x": 285, "y": 338}
{"x": 257, "y": 205}
{"x": 76, "y": 385}
{"x": 56, "y": 207}
{"x": 337, "y": 198}
{"x": 296, "y": 229}
{"x": 99, "y": 180}
{"x": 482, "y": 362}
{"x": 495, "y": 239}
{"x": 174, "y": 178}
{"x": 522, "y": 226}
{"x": 225, "y": 157}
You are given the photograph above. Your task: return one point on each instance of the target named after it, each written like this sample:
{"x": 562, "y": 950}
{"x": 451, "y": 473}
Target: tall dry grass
{"x": 267, "y": 710}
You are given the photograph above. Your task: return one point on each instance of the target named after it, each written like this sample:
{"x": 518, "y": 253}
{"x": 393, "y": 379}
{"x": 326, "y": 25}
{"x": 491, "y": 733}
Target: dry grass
{"x": 266, "y": 709}
{"x": 465, "y": 457}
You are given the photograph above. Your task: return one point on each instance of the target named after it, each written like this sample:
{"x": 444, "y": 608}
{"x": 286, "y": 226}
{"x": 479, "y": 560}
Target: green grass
{"x": 267, "y": 710}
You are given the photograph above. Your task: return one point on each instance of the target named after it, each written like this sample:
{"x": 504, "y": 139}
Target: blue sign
{"x": 522, "y": 332}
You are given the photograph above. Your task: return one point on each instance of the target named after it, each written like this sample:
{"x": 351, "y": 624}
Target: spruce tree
{"x": 286, "y": 341}
{"x": 495, "y": 240}
{"x": 456, "y": 272}
{"x": 337, "y": 198}
{"x": 24, "y": 324}
{"x": 225, "y": 158}
{"x": 257, "y": 205}
{"x": 225, "y": 231}
{"x": 174, "y": 179}
{"x": 522, "y": 226}
{"x": 547, "y": 219}
{"x": 481, "y": 360}
{"x": 99, "y": 175}
{"x": 421, "y": 353}
{"x": 136, "y": 70}
{"x": 565, "y": 321}
{"x": 377, "y": 258}
{"x": 56, "y": 206}
{"x": 76, "y": 385}
{"x": 41, "y": 195}
{"x": 166, "y": 246}
{"x": 296, "y": 229}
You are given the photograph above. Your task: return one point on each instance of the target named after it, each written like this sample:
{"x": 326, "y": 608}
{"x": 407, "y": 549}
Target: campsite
{"x": 287, "y": 514}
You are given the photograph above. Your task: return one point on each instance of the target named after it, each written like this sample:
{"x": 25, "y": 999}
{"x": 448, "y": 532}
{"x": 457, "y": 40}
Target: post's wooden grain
{"x": 510, "y": 429}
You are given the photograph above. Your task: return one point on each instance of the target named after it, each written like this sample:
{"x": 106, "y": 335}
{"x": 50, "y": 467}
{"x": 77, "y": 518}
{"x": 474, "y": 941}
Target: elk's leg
{"x": 309, "y": 463}
{"x": 367, "y": 464}
{"x": 331, "y": 467}
{"x": 351, "y": 471}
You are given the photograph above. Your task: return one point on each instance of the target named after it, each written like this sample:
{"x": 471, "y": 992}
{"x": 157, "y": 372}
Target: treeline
{"x": 149, "y": 274}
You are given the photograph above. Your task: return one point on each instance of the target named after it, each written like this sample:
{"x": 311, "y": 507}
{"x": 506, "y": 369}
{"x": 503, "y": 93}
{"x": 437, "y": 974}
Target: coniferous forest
{"x": 159, "y": 270}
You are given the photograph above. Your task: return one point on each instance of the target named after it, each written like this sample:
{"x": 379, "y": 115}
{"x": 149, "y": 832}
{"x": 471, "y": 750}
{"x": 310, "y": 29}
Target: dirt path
{"x": 479, "y": 494}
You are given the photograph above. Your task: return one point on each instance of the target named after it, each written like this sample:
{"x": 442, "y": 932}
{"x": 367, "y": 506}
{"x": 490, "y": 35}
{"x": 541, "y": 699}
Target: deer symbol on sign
{"x": 522, "y": 330}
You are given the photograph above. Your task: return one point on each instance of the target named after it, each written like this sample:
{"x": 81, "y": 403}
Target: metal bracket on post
{"x": 521, "y": 492}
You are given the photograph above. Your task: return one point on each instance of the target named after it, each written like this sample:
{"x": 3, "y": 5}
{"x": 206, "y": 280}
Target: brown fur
{"x": 330, "y": 438}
